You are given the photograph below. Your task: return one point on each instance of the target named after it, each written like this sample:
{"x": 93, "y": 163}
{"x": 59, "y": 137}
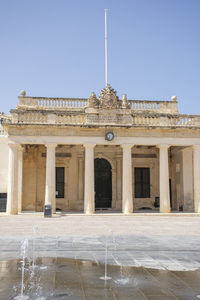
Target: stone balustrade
{"x": 51, "y": 103}
{"x": 32, "y": 117}
{"x": 153, "y": 106}
{"x": 81, "y": 103}
{"x": 81, "y": 118}
{"x": 71, "y": 119}
{"x": 161, "y": 121}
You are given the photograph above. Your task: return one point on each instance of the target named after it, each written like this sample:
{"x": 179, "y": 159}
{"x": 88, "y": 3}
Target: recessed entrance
{"x": 103, "y": 183}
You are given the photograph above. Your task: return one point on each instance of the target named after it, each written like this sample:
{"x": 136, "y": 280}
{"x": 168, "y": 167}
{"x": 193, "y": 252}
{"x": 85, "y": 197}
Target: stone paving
{"x": 57, "y": 278}
{"x": 158, "y": 242}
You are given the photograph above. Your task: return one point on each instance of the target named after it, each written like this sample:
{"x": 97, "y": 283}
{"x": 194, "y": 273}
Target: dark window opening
{"x": 3, "y": 201}
{"x": 142, "y": 182}
{"x": 60, "y": 182}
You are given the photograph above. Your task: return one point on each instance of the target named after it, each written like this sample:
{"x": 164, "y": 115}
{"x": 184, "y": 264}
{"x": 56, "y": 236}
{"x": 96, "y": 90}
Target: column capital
{"x": 196, "y": 147}
{"x": 186, "y": 149}
{"x": 163, "y": 146}
{"x": 51, "y": 145}
{"x": 21, "y": 148}
{"x": 127, "y": 146}
{"x": 89, "y": 145}
{"x": 13, "y": 145}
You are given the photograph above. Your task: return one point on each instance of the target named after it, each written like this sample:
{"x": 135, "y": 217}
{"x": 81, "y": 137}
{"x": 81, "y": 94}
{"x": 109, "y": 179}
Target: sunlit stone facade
{"x": 100, "y": 153}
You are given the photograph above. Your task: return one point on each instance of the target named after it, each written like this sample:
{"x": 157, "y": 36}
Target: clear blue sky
{"x": 56, "y": 48}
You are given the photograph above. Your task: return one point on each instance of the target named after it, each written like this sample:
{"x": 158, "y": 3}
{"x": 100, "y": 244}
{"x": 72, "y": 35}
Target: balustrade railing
{"x": 61, "y": 103}
{"x": 32, "y": 117}
{"x": 70, "y": 119}
{"x": 143, "y": 105}
{"x": 145, "y": 121}
{"x": 161, "y": 121}
{"x": 52, "y": 103}
{"x": 81, "y": 103}
{"x": 39, "y": 117}
{"x": 153, "y": 106}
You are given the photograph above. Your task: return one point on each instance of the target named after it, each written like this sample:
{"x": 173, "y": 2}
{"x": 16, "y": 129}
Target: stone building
{"x": 100, "y": 153}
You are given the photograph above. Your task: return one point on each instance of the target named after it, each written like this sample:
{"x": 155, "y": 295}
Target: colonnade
{"x": 15, "y": 178}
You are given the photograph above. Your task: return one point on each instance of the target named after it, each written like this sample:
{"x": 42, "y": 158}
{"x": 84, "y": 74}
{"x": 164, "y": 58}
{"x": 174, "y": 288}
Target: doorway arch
{"x": 103, "y": 183}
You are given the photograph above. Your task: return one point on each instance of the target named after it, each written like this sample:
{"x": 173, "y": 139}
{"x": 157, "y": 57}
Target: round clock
{"x": 109, "y": 136}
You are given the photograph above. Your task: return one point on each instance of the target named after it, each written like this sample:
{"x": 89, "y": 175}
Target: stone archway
{"x": 103, "y": 183}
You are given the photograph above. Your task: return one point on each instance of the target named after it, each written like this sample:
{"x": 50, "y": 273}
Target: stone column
{"x": 50, "y": 190}
{"x": 80, "y": 182}
{"x": 196, "y": 176}
{"x": 114, "y": 180}
{"x": 164, "y": 179}
{"x": 20, "y": 177}
{"x": 188, "y": 203}
{"x": 127, "y": 190}
{"x": 119, "y": 182}
{"x": 12, "y": 199}
{"x": 89, "y": 206}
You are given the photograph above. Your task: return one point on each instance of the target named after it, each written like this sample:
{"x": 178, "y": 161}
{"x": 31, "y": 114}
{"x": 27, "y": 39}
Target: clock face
{"x": 109, "y": 136}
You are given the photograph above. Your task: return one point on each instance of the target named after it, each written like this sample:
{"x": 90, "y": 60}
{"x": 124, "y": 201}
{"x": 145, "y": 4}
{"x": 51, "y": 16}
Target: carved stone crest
{"x": 108, "y": 98}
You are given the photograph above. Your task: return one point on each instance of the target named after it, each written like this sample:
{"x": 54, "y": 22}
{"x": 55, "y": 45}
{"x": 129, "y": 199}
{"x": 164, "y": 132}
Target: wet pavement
{"x": 58, "y": 278}
{"x": 148, "y": 257}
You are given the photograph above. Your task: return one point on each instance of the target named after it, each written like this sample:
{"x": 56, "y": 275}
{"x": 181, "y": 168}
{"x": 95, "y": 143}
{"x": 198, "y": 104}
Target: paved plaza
{"x": 151, "y": 241}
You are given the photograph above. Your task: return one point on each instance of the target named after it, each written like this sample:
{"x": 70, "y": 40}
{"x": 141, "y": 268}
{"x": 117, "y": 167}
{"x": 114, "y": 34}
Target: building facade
{"x": 100, "y": 153}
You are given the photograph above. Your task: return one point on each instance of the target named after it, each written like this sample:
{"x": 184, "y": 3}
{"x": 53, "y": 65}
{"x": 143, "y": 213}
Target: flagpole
{"x": 106, "y": 49}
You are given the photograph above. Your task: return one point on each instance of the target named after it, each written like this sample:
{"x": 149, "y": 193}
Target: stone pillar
{"x": 187, "y": 180}
{"x": 80, "y": 182}
{"x": 50, "y": 190}
{"x": 164, "y": 179}
{"x": 12, "y": 199}
{"x": 89, "y": 205}
{"x": 114, "y": 180}
{"x": 20, "y": 177}
{"x": 119, "y": 183}
{"x": 196, "y": 176}
{"x": 127, "y": 190}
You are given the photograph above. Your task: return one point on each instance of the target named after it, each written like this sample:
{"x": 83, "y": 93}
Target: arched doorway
{"x": 103, "y": 183}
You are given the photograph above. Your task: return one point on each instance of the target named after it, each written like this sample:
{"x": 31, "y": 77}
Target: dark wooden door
{"x": 103, "y": 183}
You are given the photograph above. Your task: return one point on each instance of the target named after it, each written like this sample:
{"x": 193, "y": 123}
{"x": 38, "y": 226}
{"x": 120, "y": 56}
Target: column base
{"x": 167, "y": 211}
{"x": 127, "y": 211}
{"x": 12, "y": 213}
{"x": 88, "y": 213}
